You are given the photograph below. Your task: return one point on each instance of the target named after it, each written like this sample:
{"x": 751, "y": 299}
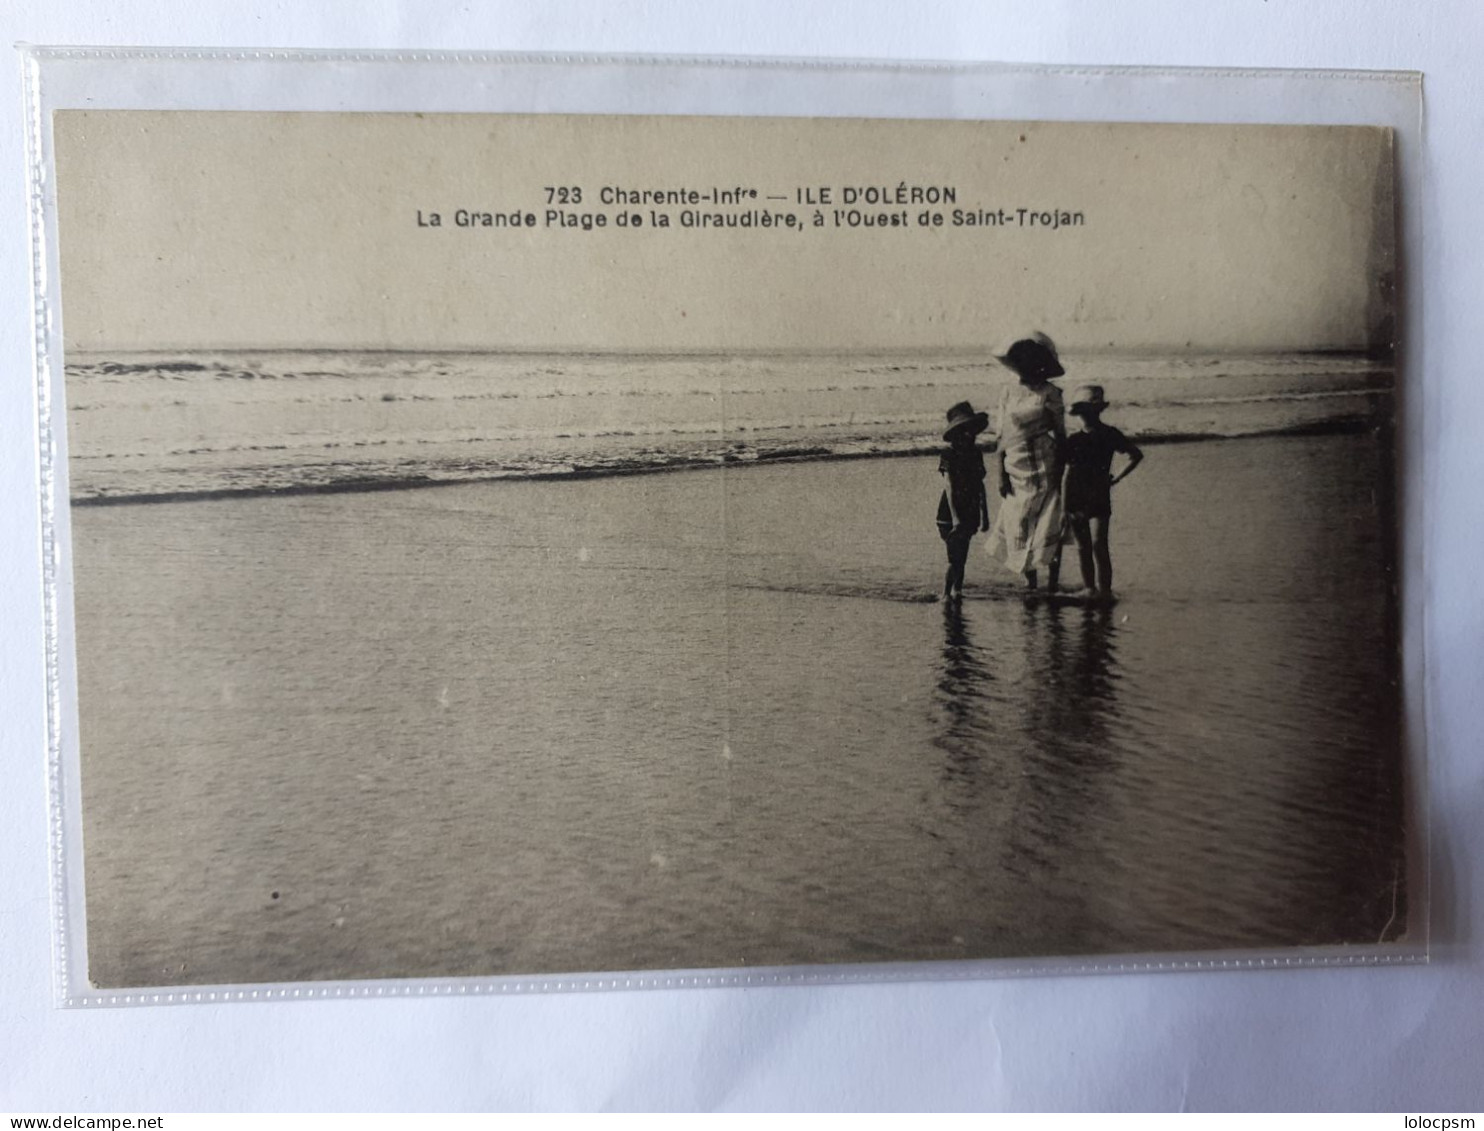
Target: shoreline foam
{"x": 618, "y": 469}
{"x": 158, "y": 427}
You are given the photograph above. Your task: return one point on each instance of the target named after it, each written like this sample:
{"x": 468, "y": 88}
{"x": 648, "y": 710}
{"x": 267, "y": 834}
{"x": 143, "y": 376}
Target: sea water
{"x": 172, "y": 425}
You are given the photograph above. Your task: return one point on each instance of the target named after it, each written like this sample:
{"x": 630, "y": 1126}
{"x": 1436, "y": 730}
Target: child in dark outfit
{"x": 1087, "y": 486}
{"x": 963, "y": 509}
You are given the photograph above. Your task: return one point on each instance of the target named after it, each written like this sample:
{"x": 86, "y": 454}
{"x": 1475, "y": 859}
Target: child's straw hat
{"x": 963, "y": 417}
{"x": 1088, "y": 396}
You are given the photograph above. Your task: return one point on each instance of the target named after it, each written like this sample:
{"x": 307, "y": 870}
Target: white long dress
{"x": 1027, "y": 530}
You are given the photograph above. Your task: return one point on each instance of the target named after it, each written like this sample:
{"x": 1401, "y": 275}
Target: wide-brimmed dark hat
{"x": 962, "y": 417}
{"x": 1032, "y": 353}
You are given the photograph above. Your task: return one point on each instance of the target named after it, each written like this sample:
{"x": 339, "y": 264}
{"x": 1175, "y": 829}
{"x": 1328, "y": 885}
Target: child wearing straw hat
{"x": 1087, "y": 485}
{"x": 963, "y": 509}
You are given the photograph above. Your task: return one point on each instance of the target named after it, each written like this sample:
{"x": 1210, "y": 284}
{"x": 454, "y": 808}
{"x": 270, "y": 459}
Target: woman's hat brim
{"x": 976, "y": 423}
{"x": 1051, "y": 366}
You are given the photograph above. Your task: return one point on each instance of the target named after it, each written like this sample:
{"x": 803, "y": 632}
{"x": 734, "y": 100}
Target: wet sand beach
{"x": 707, "y": 719}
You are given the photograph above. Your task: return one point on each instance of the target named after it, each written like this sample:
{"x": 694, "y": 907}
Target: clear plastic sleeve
{"x": 568, "y": 723}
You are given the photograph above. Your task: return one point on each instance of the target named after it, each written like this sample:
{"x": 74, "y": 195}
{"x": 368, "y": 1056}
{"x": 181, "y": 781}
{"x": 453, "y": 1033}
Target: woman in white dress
{"x": 1027, "y": 531}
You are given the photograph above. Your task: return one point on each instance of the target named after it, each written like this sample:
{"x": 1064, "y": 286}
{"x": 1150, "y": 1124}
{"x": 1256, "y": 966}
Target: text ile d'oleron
{"x": 573, "y": 207}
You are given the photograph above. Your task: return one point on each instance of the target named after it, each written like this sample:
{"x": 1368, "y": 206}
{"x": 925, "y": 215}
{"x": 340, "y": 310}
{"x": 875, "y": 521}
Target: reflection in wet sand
{"x": 1042, "y": 762}
{"x": 962, "y": 700}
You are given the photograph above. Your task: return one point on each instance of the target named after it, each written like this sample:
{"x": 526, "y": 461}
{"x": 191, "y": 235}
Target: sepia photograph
{"x": 539, "y": 544}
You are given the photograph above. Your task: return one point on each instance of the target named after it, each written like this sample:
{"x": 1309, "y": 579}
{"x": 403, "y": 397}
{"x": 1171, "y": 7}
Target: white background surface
{"x": 1407, "y": 1039}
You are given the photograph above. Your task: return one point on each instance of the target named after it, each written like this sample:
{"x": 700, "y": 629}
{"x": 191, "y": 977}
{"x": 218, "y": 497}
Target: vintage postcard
{"x": 536, "y": 544}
